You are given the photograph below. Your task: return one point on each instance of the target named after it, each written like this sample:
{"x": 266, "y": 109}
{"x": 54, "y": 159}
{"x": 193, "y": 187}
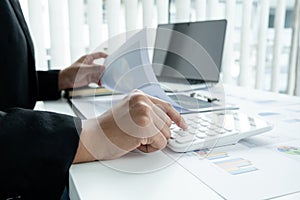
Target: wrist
{"x": 103, "y": 140}
{"x": 83, "y": 153}
{"x": 63, "y": 81}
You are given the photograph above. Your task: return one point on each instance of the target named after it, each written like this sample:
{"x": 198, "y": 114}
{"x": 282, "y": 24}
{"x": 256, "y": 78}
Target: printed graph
{"x": 236, "y": 166}
{"x": 223, "y": 160}
{"x": 289, "y": 150}
{"x": 206, "y": 153}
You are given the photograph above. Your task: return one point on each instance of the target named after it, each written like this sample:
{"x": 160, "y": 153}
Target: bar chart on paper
{"x": 241, "y": 167}
{"x": 211, "y": 156}
{"x": 233, "y": 166}
{"x": 289, "y": 150}
{"x": 236, "y": 166}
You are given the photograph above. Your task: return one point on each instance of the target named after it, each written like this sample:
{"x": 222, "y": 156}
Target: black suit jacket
{"x": 20, "y": 84}
{"x": 36, "y": 148}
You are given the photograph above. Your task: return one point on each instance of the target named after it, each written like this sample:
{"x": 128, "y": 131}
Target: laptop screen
{"x": 178, "y": 57}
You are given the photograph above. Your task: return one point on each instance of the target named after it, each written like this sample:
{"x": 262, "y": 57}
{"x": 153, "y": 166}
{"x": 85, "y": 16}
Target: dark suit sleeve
{"x": 36, "y": 151}
{"x": 48, "y": 85}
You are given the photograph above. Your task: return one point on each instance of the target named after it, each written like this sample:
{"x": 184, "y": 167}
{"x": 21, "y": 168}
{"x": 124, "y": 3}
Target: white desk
{"x": 97, "y": 181}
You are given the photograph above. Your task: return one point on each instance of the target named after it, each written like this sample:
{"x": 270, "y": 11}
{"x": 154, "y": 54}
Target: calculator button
{"x": 219, "y": 125}
{"x": 181, "y": 133}
{"x": 193, "y": 131}
{"x": 211, "y": 133}
{"x": 201, "y": 135}
{"x": 200, "y": 119}
{"x": 190, "y": 118}
{"x": 195, "y": 126}
{"x": 221, "y": 131}
{"x": 204, "y": 123}
{"x": 204, "y": 119}
{"x": 174, "y": 135}
{"x": 228, "y": 129}
{"x": 185, "y": 139}
{"x": 212, "y": 127}
{"x": 202, "y": 129}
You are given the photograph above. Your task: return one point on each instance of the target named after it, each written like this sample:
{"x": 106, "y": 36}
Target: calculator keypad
{"x": 216, "y": 129}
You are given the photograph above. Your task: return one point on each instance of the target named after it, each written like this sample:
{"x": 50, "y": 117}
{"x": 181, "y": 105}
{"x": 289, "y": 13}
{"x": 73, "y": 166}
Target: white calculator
{"x": 214, "y": 129}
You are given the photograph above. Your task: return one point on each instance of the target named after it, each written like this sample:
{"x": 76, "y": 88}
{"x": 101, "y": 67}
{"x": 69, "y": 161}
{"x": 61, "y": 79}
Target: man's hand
{"x": 139, "y": 122}
{"x": 84, "y": 71}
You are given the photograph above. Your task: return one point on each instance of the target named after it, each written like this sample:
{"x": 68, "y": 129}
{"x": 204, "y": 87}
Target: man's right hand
{"x": 139, "y": 122}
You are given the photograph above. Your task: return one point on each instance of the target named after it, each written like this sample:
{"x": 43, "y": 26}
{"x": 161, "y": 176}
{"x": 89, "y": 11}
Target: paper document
{"x": 238, "y": 172}
{"x": 129, "y": 68}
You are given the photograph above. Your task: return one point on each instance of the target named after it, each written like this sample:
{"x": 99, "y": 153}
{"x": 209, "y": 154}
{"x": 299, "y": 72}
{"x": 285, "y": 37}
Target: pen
{"x": 210, "y": 100}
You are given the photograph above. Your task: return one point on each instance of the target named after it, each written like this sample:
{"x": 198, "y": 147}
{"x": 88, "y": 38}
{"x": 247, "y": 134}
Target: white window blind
{"x": 256, "y": 53}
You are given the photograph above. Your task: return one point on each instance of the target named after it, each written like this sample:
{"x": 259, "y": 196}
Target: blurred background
{"x": 262, "y": 47}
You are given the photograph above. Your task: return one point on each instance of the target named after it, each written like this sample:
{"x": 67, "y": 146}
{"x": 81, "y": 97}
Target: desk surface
{"x": 97, "y": 180}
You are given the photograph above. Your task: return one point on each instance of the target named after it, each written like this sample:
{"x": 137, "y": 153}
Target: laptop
{"x": 189, "y": 54}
